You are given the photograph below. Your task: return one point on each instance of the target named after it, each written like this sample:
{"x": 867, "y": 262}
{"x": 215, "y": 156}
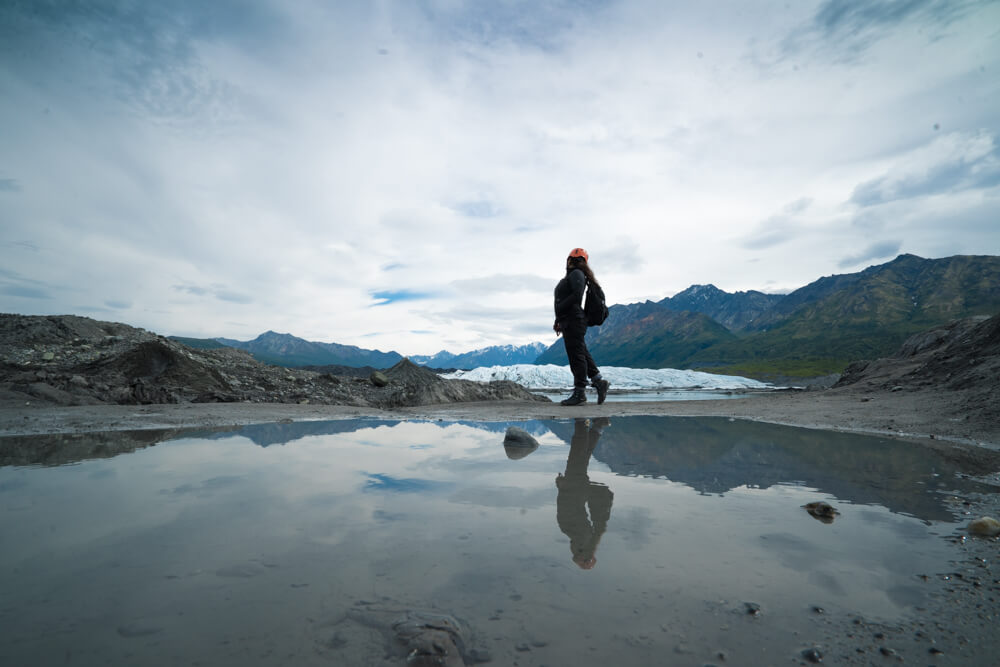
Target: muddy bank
{"x": 72, "y": 375}
{"x": 927, "y": 415}
{"x": 930, "y": 419}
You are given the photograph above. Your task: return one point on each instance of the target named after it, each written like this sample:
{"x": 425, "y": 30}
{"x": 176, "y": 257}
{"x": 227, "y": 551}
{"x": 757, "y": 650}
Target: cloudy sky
{"x": 411, "y": 175}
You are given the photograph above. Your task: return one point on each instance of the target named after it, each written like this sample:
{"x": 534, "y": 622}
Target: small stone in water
{"x": 812, "y": 655}
{"x": 752, "y": 608}
{"x": 986, "y": 526}
{"x": 822, "y": 511}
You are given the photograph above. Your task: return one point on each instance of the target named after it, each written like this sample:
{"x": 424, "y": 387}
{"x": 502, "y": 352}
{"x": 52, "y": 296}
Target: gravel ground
{"x": 932, "y": 419}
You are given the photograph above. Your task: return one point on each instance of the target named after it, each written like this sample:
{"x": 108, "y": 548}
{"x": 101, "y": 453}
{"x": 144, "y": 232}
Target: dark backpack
{"x": 594, "y": 307}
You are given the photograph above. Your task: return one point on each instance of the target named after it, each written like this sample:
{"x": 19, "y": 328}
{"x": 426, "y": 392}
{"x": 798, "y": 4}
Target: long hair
{"x": 581, "y": 263}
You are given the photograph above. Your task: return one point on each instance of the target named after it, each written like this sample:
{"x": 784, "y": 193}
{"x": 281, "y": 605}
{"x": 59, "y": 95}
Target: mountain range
{"x": 283, "y": 349}
{"x": 815, "y": 330}
{"x": 497, "y": 355}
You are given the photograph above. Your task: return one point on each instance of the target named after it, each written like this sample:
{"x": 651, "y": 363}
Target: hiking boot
{"x": 602, "y": 390}
{"x": 578, "y": 396}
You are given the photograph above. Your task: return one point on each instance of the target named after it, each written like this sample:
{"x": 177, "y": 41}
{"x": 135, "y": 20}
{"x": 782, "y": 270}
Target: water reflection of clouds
{"x": 436, "y": 511}
{"x": 634, "y": 525}
{"x": 520, "y": 496}
{"x": 205, "y": 488}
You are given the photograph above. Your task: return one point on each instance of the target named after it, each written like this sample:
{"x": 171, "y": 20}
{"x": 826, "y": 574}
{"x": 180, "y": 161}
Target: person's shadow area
{"x": 577, "y": 493}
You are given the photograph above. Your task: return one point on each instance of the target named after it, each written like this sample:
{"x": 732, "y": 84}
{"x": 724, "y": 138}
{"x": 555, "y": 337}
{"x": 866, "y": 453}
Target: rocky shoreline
{"x": 71, "y": 374}
{"x": 75, "y": 361}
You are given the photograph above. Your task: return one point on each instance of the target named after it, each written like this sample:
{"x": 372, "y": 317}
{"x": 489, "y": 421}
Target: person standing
{"x": 572, "y": 324}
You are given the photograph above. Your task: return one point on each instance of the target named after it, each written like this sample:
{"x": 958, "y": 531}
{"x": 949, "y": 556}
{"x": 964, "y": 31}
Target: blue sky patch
{"x": 386, "y": 297}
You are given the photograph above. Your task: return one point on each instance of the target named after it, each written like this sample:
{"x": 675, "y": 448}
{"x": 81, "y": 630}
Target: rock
{"x": 986, "y": 526}
{"x": 430, "y": 639}
{"x": 95, "y": 362}
{"x": 518, "y": 443}
{"x": 47, "y": 392}
{"x": 426, "y": 638}
{"x": 49, "y": 356}
{"x": 821, "y": 511}
{"x": 379, "y": 379}
{"x": 812, "y": 655}
{"x": 752, "y": 608}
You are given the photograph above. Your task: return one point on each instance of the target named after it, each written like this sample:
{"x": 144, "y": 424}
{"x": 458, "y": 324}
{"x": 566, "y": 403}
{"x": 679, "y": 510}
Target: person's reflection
{"x": 577, "y": 492}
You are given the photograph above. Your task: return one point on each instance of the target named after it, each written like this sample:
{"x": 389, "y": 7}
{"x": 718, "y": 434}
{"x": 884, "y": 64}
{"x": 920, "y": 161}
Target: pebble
{"x": 986, "y": 526}
{"x": 812, "y": 655}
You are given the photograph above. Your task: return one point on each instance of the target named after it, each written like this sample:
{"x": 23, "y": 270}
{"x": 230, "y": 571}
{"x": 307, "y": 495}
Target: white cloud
{"x": 293, "y": 160}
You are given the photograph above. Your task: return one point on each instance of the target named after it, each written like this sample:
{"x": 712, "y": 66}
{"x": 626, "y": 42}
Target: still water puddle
{"x": 643, "y": 541}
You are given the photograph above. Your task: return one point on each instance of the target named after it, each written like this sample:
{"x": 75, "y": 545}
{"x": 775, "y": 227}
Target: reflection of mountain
{"x": 282, "y": 434}
{"x": 534, "y": 427}
{"x": 714, "y": 455}
{"x": 63, "y": 448}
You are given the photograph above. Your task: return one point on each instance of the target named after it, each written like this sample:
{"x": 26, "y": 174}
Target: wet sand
{"x": 927, "y": 416}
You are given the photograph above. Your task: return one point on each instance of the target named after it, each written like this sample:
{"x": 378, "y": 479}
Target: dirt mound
{"x": 970, "y": 360}
{"x": 27, "y": 330}
{"x": 961, "y": 359}
{"x": 69, "y": 360}
{"x": 963, "y": 354}
{"x": 407, "y": 372}
{"x": 415, "y": 385}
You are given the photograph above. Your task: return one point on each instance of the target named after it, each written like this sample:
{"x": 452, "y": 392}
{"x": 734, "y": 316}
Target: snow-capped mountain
{"x": 497, "y": 355}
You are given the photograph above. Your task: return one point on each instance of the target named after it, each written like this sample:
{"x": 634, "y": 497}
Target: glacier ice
{"x": 550, "y": 376}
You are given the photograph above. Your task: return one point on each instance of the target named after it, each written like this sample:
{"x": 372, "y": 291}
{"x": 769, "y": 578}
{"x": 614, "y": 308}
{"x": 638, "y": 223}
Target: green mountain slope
{"x": 646, "y": 335}
{"x": 735, "y": 311}
{"x": 291, "y": 351}
{"x": 864, "y": 315}
{"x": 815, "y": 330}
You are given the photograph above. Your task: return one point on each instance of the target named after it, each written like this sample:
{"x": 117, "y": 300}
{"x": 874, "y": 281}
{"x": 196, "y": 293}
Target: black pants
{"x": 580, "y": 362}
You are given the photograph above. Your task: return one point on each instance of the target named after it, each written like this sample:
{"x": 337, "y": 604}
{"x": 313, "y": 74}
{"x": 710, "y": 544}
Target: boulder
{"x": 518, "y": 443}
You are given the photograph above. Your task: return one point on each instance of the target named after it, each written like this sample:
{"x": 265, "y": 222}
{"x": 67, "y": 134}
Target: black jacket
{"x": 569, "y": 296}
